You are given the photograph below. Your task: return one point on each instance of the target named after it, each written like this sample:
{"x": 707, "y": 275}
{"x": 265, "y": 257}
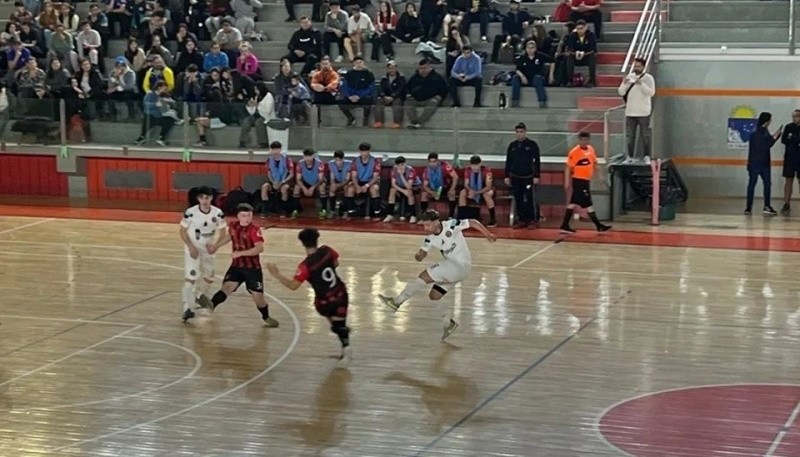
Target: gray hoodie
{"x": 245, "y": 8}
{"x": 338, "y": 22}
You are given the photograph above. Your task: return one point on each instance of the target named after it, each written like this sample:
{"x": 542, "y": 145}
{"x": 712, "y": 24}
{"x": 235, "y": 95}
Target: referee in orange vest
{"x": 581, "y": 164}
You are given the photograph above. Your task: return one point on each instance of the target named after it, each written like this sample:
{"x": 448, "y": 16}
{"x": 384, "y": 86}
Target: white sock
{"x": 188, "y": 295}
{"x": 410, "y": 289}
{"x": 443, "y": 308}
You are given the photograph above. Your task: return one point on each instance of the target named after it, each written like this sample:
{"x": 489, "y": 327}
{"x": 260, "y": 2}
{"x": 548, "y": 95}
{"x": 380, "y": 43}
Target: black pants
{"x": 384, "y": 41}
{"x": 588, "y": 60}
{"x": 482, "y": 17}
{"x": 595, "y": 17}
{"x": 166, "y": 124}
{"x": 431, "y": 25}
{"x": 330, "y": 37}
{"x": 522, "y": 189}
{"x": 124, "y": 22}
{"x": 316, "y": 10}
{"x": 310, "y": 61}
{"x": 477, "y": 83}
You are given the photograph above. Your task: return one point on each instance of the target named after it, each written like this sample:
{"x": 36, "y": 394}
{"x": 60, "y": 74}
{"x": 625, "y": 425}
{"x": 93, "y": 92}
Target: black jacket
{"x": 394, "y": 89}
{"x": 522, "y": 159}
{"x": 308, "y": 41}
{"x": 530, "y": 67}
{"x": 791, "y": 138}
{"x": 512, "y": 23}
{"x": 588, "y": 44}
{"x": 425, "y": 88}
{"x": 758, "y": 156}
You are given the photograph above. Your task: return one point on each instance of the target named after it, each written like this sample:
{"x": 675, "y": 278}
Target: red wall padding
{"x": 31, "y": 175}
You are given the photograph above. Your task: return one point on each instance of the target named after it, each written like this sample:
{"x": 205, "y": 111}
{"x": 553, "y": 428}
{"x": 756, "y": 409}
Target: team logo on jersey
{"x": 213, "y": 220}
{"x": 448, "y": 234}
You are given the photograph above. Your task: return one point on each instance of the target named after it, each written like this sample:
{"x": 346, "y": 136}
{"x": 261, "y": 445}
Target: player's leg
{"x": 425, "y": 195}
{"x": 392, "y": 202}
{"x": 254, "y": 282}
{"x": 488, "y": 197}
{"x": 284, "y": 191}
{"x": 323, "y": 200}
{"x": 191, "y": 269}
{"x": 588, "y": 206}
{"x": 232, "y": 280}
{"x": 349, "y": 199}
{"x": 298, "y": 191}
{"x": 375, "y": 200}
{"x": 411, "y": 288}
{"x": 201, "y": 287}
{"x": 449, "y": 325}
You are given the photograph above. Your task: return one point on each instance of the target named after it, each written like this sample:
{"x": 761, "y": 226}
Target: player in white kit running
{"x": 199, "y": 229}
{"x": 448, "y": 238}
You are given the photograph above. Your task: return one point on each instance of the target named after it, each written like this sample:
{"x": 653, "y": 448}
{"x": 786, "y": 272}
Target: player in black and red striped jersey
{"x": 248, "y": 244}
{"x": 319, "y": 269}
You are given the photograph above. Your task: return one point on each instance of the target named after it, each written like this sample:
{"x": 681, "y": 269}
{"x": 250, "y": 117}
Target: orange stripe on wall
{"x": 718, "y": 161}
{"x": 697, "y": 92}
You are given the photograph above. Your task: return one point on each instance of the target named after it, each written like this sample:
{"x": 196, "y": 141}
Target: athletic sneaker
{"x": 346, "y": 357}
{"x": 270, "y": 323}
{"x": 769, "y": 211}
{"x": 449, "y": 329}
{"x": 604, "y": 228}
{"x": 295, "y": 214}
{"x": 323, "y": 214}
{"x": 188, "y": 314}
{"x": 748, "y": 212}
{"x": 492, "y": 223}
{"x": 389, "y": 301}
{"x": 786, "y": 210}
{"x": 567, "y": 231}
{"x": 388, "y": 218}
{"x": 412, "y": 219}
{"x": 204, "y": 302}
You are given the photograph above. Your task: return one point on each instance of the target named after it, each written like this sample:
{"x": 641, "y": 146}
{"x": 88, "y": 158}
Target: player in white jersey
{"x": 199, "y": 228}
{"x": 448, "y": 238}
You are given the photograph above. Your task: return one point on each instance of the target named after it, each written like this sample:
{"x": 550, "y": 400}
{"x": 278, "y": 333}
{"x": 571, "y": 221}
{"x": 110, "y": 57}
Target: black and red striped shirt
{"x": 244, "y": 238}
{"x": 319, "y": 269}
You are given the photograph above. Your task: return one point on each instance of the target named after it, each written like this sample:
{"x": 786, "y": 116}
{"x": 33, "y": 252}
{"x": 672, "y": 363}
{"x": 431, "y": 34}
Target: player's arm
{"x": 224, "y": 239}
{"x": 488, "y": 186}
{"x": 292, "y": 284}
{"x": 567, "y": 176}
{"x": 477, "y": 226}
{"x": 423, "y": 251}
{"x": 375, "y": 177}
{"x": 257, "y": 249}
{"x": 453, "y": 179}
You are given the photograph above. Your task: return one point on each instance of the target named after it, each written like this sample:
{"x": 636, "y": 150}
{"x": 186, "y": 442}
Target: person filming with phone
{"x": 759, "y": 162}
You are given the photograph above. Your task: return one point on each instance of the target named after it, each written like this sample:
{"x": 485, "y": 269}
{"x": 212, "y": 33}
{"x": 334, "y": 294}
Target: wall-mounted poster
{"x": 741, "y": 124}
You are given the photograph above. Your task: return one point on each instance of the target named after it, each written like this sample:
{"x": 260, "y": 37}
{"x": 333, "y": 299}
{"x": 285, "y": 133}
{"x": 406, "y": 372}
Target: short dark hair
{"x": 244, "y": 208}
{"x": 466, "y": 48}
{"x": 225, "y": 21}
{"x": 358, "y": 57}
{"x": 429, "y": 215}
{"x": 275, "y": 145}
{"x": 521, "y": 125}
{"x": 424, "y": 62}
{"x": 364, "y": 147}
{"x": 159, "y": 85}
{"x": 303, "y": 18}
{"x": 309, "y": 237}
{"x": 580, "y": 22}
{"x": 474, "y": 160}
{"x": 80, "y": 26}
{"x": 433, "y": 155}
{"x": 584, "y": 135}
{"x": 308, "y": 152}
{"x": 641, "y": 60}
{"x": 192, "y": 68}
{"x": 334, "y": 2}
{"x": 399, "y": 160}
{"x": 205, "y": 190}
{"x": 338, "y": 154}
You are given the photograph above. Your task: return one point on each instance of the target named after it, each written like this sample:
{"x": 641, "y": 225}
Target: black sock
{"x": 218, "y": 298}
{"x": 423, "y": 206}
{"x": 375, "y": 205}
{"x": 264, "y": 312}
{"x": 349, "y": 204}
{"x": 341, "y": 330}
{"x": 203, "y": 138}
{"x": 594, "y": 219}
{"x": 492, "y": 215}
{"x": 452, "y": 208}
{"x": 567, "y": 218}
{"x": 323, "y": 202}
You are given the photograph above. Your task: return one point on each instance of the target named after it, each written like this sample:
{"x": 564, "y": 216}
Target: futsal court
{"x": 587, "y": 347}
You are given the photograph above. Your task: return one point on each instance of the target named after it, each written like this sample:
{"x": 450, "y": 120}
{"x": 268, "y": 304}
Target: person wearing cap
{"x": 425, "y": 88}
{"x": 523, "y": 164}
{"x": 514, "y": 24}
{"x": 359, "y": 30}
{"x": 358, "y": 89}
{"x": 390, "y": 93}
{"x": 466, "y": 72}
{"x": 530, "y": 71}
{"x": 335, "y": 29}
{"x": 759, "y": 163}
{"x": 122, "y": 87}
{"x": 305, "y": 46}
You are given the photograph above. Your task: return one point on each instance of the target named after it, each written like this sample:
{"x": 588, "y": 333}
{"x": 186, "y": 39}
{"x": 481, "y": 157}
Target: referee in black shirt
{"x": 522, "y": 173}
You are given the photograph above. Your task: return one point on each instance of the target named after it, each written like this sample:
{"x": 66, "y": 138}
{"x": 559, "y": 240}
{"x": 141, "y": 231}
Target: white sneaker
{"x": 646, "y": 160}
{"x": 338, "y": 59}
{"x": 629, "y": 159}
{"x": 412, "y": 219}
{"x": 388, "y": 218}
{"x": 402, "y": 218}
{"x": 346, "y": 357}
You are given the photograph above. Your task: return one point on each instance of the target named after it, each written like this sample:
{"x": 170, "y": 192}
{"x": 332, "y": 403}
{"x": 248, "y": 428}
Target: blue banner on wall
{"x": 741, "y": 124}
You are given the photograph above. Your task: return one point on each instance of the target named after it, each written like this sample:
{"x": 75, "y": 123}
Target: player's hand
{"x": 419, "y": 256}
{"x": 491, "y": 237}
{"x": 272, "y": 268}
{"x": 211, "y": 248}
{"x": 235, "y": 255}
{"x": 193, "y": 252}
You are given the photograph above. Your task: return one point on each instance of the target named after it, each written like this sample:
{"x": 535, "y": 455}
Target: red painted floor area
{"x": 586, "y": 232}
{"x": 740, "y": 420}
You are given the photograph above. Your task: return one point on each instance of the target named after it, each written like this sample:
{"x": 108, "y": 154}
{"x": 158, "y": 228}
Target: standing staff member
{"x": 759, "y": 163}
{"x": 522, "y": 173}
{"x": 791, "y": 159}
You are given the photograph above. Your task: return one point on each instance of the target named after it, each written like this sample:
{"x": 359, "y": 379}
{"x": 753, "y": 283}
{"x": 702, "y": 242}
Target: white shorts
{"x": 448, "y": 272}
{"x": 201, "y": 267}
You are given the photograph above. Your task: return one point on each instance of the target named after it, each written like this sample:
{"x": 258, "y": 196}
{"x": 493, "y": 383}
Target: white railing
{"x": 646, "y": 37}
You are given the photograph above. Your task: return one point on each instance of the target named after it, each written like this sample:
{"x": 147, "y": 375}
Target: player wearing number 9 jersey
{"x": 319, "y": 269}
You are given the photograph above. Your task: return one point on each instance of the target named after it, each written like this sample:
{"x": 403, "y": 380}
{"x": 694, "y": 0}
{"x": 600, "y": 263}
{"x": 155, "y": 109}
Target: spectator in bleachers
{"x": 238, "y": 89}
{"x": 759, "y": 163}
{"x": 218, "y": 10}
{"x": 357, "y": 89}
{"x": 316, "y": 10}
{"x": 183, "y": 36}
{"x": 219, "y": 113}
{"x": 229, "y": 39}
{"x": 17, "y": 56}
{"x": 282, "y": 84}
{"x": 426, "y": 89}
{"x": 335, "y": 30}
{"x": 189, "y": 56}
{"x": 62, "y": 48}
{"x": 68, "y": 17}
{"x": 432, "y": 13}
{"x": 47, "y": 20}
{"x": 405, "y": 183}
{"x": 359, "y": 30}
{"x": 190, "y": 89}
{"x": 33, "y": 6}
{"x": 98, "y": 21}
{"x": 325, "y": 83}
{"x": 309, "y": 181}
{"x": 122, "y": 87}
{"x": 385, "y": 25}
{"x": 390, "y": 93}
{"x": 339, "y": 178}
{"x": 157, "y": 48}
{"x": 478, "y": 12}
{"x": 409, "y": 26}
{"x": 87, "y": 85}
{"x": 215, "y": 58}
{"x": 514, "y": 26}
{"x": 438, "y": 179}
{"x": 260, "y": 109}
{"x": 195, "y": 17}
{"x": 33, "y": 40}
{"x": 20, "y": 14}
{"x": 11, "y": 31}
{"x": 154, "y": 114}
{"x": 456, "y": 9}
{"x": 89, "y": 43}
{"x": 478, "y": 188}
{"x": 299, "y": 101}
{"x": 582, "y": 49}
{"x": 544, "y": 41}
{"x": 454, "y": 48}
{"x": 305, "y": 46}
{"x": 558, "y": 69}
{"x": 588, "y": 11}
{"x": 159, "y": 71}
{"x": 280, "y": 174}
{"x": 57, "y": 79}
{"x": 29, "y": 77}
{"x": 117, "y": 13}
{"x": 135, "y": 55}
{"x": 247, "y": 63}
{"x": 365, "y": 176}
{"x": 246, "y": 12}
{"x": 530, "y": 72}
{"x": 467, "y": 72}
{"x": 156, "y": 26}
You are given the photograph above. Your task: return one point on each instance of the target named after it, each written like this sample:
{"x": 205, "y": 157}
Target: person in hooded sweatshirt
{"x": 759, "y": 163}
{"x": 122, "y": 87}
{"x": 305, "y": 46}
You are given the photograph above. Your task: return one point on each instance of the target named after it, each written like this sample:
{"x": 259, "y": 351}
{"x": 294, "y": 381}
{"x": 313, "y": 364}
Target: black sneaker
{"x": 567, "y": 231}
{"x": 748, "y": 212}
{"x": 604, "y": 228}
{"x": 188, "y": 314}
{"x": 492, "y": 223}
{"x": 769, "y": 211}
{"x": 786, "y": 210}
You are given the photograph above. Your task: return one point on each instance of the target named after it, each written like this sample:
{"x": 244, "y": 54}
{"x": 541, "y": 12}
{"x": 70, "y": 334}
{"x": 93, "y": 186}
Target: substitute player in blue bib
{"x": 280, "y": 174}
{"x": 309, "y": 181}
{"x": 338, "y": 177}
{"x": 405, "y": 183}
{"x": 330, "y": 293}
{"x": 364, "y": 180}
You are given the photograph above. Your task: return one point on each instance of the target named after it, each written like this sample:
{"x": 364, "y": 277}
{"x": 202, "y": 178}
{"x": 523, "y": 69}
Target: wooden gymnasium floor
{"x": 568, "y": 349}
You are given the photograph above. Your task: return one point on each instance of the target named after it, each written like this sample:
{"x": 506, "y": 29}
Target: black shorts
{"x": 337, "y": 308}
{"x": 252, "y": 278}
{"x": 362, "y": 183}
{"x": 581, "y": 195}
{"x": 791, "y": 168}
{"x": 307, "y": 185}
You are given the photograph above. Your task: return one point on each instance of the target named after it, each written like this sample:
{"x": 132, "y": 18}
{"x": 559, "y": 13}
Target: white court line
{"x": 14, "y": 229}
{"x": 535, "y": 254}
{"x": 69, "y": 356}
{"x": 58, "y": 319}
{"x": 198, "y": 362}
{"x": 784, "y": 430}
{"x": 236, "y": 388}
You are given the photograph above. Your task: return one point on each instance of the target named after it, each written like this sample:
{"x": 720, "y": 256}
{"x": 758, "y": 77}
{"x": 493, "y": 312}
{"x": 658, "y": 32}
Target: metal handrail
{"x": 607, "y": 131}
{"x": 792, "y": 15}
{"x": 647, "y": 34}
